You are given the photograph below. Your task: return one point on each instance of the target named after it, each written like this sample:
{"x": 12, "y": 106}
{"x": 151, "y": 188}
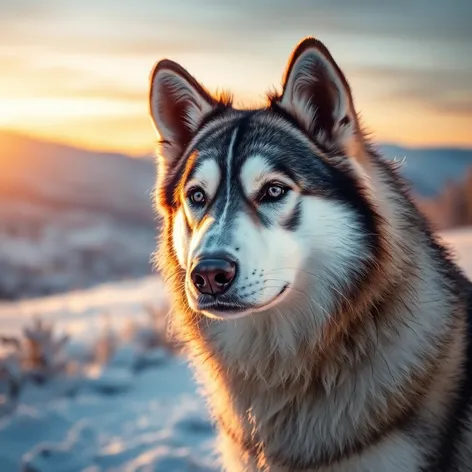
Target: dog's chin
{"x": 231, "y": 311}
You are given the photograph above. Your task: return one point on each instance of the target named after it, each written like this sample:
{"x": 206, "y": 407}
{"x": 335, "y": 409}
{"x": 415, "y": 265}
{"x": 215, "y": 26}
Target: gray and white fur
{"x": 329, "y": 327}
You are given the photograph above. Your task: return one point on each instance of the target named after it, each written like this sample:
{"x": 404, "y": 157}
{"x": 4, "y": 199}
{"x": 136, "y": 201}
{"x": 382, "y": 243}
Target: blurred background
{"x": 77, "y": 171}
{"x": 76, "y": 143}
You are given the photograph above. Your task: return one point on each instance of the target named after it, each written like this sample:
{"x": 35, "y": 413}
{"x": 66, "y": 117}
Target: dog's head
{"x": 264, "y": 209}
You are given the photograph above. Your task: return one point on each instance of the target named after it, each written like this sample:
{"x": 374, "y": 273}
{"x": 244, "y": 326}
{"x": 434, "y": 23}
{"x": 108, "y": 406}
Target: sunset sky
{"x": 77, "y": 72}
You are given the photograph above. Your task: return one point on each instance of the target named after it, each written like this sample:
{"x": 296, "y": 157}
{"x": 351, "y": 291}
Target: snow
{"x": 156, "y": 424}
{"x": 125, "y": 401}
{"x": 135, "y": 410}
{"x": 460, "y": 242}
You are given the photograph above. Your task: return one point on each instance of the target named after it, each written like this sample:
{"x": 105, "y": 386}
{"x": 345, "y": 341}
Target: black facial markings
{"x": 237, "y": 199}
{"x": 290, "y": 156}
{"x": 233, "y": 206}
{"x": 221, "y": 108}
{"x": 243, "y": 129}
{"x": 188, "y": 160}
{"x": 284, "y": 169}
{"x": 319, "y": 177}
{"x": 294, "y": 220}
{"x": 286, "y": 116}
{"x": 174, "y": 176}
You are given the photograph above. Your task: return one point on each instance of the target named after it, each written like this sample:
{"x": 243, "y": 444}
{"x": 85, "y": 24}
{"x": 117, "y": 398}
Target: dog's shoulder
{"x": 456, "y": 450}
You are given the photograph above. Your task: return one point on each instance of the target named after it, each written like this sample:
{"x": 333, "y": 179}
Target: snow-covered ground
{"x": 137, "y": 411}
{"x": 116, "y": 406}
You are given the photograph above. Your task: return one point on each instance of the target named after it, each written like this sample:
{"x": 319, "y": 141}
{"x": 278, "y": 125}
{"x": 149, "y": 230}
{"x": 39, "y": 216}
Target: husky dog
{"x": 328, "y": 325}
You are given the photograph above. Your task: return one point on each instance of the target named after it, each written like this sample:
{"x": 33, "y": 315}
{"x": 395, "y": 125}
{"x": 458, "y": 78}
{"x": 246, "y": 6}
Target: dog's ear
{"x": 178, "y": 104}
{"x": 316, "y": 92}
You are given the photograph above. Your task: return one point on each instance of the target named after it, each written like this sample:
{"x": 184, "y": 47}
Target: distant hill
{"x": 429, "y": 169}
{"x": 66, "y": 176}
{"x": 71, "y": 218}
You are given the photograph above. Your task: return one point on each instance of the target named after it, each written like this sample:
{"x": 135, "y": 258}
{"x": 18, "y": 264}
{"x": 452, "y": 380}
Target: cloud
{"x": 22, "y": 77}
{"x": 434, "y": 96}
{"x": 403, "y": 51}
{"x": 11, "y": 9}
{"x": 14, "y": 12}
{"x": 180, "y": 26}
{"x": 444, "y": 91}
{"x": 422, "y": 19}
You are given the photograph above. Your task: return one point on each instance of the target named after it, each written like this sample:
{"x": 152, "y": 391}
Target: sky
{"x": 78, "y": 72}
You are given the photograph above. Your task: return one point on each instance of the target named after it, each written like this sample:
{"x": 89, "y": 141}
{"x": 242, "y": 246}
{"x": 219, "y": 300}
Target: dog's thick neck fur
{"x": 372, "y": 372}
{"x": 364, "y": 391}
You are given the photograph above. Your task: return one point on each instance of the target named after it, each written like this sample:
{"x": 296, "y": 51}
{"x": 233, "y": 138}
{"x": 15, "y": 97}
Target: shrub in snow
{"x": 140, "y": 344}
{"x": 111, "y": 380}
{"x": 125, "y": 357}
{"x": 38, "y": 354}
{"x": 10, "y": 381}
{"x": 42, "y": 351}
{"x": 106, "y": 344}
{"x": 156, "y": 334}
{"x": 135, "y": 356}
{"x": 152, "y": 358}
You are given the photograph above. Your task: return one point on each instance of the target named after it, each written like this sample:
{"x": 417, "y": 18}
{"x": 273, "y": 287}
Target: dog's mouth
{"x": 232, "y": 310}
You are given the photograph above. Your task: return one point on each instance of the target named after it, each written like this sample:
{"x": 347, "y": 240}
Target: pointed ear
{"x": 316, "y": 92}
{"x": 178, "y": 104}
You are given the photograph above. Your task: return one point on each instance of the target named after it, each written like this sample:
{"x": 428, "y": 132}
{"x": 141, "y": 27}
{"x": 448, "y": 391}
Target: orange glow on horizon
{"x": 125, "y": 127}
{"x": 78, "y": 72}
{"x": 100, "y": 102}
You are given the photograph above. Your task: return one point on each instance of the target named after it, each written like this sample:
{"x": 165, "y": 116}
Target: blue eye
{"x": 272, "y": 192}
{"x": 197, "y": 196}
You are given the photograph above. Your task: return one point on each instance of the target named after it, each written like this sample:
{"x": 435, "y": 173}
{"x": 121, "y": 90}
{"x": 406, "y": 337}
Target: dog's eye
{"x": 272, "y": 192}
{"x": 197, "y": 196}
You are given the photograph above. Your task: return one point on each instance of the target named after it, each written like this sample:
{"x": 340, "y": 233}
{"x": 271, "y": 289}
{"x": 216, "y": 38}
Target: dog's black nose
{"x": 213, "y": 276}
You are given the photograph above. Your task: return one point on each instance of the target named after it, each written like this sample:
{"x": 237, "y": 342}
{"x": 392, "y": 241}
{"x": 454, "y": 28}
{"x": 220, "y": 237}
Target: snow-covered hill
{"x": 430, "y": 169}
{"x": 71, "y": 218}
{"x": 139, "y": 411}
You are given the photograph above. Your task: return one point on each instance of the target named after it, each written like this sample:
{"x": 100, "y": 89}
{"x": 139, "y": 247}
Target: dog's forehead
{"x": 244, "y": 149}
{"x": 235, "y": 141}
{"x": 254, "y": 170}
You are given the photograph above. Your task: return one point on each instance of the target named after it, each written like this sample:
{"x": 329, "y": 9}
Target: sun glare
{"x": 98, "y": 99}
